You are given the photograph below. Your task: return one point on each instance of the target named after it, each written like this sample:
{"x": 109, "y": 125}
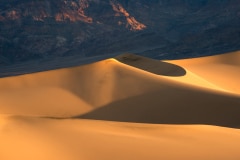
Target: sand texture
{"x": 124, "y": 108}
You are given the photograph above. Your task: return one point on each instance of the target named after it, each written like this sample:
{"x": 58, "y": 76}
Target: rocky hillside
{"x": 163, "y": 29}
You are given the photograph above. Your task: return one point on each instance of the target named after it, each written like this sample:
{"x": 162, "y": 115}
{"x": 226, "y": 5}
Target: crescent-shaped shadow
{"x": 150, "y": 65}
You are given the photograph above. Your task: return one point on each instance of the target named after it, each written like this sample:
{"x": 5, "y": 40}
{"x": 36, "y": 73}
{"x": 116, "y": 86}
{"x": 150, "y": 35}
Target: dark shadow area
{"x": 150, "y": 65}
{"x": 165, "y": 108}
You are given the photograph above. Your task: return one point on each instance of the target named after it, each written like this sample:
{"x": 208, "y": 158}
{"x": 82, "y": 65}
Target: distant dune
{"x": 127, "y": 107}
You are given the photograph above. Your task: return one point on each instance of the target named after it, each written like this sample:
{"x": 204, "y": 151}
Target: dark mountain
{"x": 163, "y": 29}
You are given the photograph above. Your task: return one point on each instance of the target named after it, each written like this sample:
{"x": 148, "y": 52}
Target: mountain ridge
{"x": 158, "y": 29}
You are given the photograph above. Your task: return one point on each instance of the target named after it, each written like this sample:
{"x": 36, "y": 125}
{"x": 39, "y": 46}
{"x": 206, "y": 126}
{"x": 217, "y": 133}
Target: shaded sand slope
{"x": 40, "y": 139}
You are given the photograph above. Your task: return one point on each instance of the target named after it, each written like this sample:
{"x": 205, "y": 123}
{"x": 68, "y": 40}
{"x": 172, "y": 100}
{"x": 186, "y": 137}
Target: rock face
{"x": 163, "y": 29}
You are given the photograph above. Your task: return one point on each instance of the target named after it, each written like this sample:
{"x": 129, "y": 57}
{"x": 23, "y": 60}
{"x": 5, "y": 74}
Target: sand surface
{"x": 124, "y": 108}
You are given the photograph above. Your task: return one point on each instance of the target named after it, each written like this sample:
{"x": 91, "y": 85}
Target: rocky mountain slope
{"x": 163, "y": 29}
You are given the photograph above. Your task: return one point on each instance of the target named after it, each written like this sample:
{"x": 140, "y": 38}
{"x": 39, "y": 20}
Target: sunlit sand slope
{"x": 41, "y": 139}
{"x": 222, "y": 70}
{"x": 128, "y": 107}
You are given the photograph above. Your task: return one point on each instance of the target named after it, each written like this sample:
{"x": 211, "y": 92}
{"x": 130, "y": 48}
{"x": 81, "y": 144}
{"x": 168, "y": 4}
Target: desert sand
{"x": 124, "y": 108}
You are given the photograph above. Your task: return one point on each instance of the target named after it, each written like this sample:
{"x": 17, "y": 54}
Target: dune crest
{"x": 151, "y": 65}
{"x": 221, "y": 70}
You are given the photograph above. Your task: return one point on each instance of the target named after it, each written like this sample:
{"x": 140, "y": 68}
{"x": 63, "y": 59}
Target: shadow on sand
{"x": 150, "y": 65}
{"x": 158, "y": 108}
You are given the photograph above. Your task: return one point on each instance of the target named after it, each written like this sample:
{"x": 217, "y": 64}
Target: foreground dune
{"x": 129, "y": 107}
{"x": 36, "y": 138}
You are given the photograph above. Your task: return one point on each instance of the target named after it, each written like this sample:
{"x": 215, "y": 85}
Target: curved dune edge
{"x": 221, "y": 70}
{"x": 34, "y": 138}
{"x": 102, "y": 100}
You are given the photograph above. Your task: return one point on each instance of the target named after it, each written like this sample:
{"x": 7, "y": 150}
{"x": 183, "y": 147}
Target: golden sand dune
{"x": 129, "y": 107}
{"x": 40, "y": 139}
{"x": 222, "y": 70}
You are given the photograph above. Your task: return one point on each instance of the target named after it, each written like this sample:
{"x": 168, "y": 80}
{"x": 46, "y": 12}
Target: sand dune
{"x": 222, "y": 70}
{"x": 34, "y": 138}
{"x": 128, "y": 107}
